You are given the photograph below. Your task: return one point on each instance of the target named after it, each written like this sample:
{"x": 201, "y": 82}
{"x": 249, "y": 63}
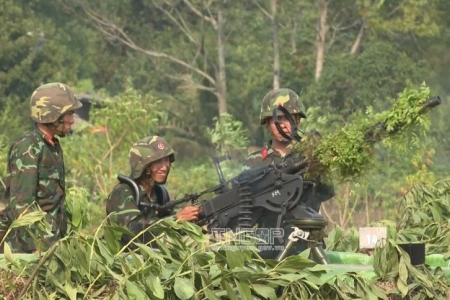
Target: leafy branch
{"x": 348, "y": 152}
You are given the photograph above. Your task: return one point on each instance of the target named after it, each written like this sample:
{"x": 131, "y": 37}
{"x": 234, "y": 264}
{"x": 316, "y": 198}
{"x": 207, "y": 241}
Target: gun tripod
{"x": 312, "y": 232}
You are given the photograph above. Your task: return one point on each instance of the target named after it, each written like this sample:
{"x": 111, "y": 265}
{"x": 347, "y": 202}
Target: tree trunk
{"x": 321, "y": 34}
{"x": 294, "y": 31}
{"x": 276, "y": 46}
{"x": 359, "y": 38}
{"x": 222, "y": 76}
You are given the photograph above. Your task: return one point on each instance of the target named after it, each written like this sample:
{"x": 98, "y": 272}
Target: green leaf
{"x": 71, "y": 291}
{"x": 319, "y": 268}
{"x": 203, "y": 259}
{"x": 314, "y": 280}
{"x": 378, "y": 292}
{"x": 149, "y": 252}
{"x": 235, "y": 259}
{"x": 290, "y": 277}
{"x": 264, "y": 291}
{"x": 51, "y": 278}
{"x": 104, "y": 252}
{"x": 244, "y": 290}
{"x": 294, "y": 263}
{"x": 41, "y": 297}
{"x": 403, "y": 277}
{"x": 231, "y": 294}
{"x": 134, "y": 291}
{"x": 305, "y": 254}
{"x": 8, "y": 253}
{"x": 210, "y": 295}
{"x": 154, "y": 284}
{"x": 111, "y": 240}
{"x": 183, "y": 288}
{"x": 28, "y": 219}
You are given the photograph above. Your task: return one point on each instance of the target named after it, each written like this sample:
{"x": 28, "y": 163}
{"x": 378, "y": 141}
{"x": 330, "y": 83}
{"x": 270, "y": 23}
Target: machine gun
{"x": 276, "y": 188}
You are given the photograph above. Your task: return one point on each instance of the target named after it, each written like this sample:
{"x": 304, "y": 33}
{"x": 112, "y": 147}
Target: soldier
{"x": 150, "y": 162}
{"x": 278, "y": 149}
{"x": 36, "y": 166}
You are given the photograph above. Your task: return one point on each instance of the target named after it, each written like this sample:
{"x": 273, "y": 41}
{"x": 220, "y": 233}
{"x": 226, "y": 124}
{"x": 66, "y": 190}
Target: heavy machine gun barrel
{"x": 377, "y": 132}
{"x": 432, "y": 102}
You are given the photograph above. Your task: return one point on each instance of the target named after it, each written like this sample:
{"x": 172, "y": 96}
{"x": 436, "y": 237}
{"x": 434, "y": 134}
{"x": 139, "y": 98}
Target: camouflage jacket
{"x": 35, "y": 175}
{"x": 121, "y": 198}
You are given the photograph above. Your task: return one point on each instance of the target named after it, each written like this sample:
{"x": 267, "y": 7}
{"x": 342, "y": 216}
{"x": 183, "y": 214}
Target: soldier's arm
{"x": 23, "y": 177}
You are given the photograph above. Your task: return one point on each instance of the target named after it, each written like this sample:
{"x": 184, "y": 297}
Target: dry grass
{"x": 10, "y": 284}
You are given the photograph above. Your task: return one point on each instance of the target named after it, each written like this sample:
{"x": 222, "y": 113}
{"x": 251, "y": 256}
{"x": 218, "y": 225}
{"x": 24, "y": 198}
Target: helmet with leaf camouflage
{"x": 281, "y": 97}
{"x": 146, "y": 151}
{"x": 50, "y": 101}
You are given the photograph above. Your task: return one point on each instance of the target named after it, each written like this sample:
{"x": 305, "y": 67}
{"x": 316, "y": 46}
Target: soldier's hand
{"x": 188, "y": 213}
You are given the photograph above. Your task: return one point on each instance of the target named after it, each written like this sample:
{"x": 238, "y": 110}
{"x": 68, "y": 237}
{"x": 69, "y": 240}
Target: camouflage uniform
{"x": 36, "y": 168}
{"x": 142, "y": 153}
{"x": 313, "y": 196}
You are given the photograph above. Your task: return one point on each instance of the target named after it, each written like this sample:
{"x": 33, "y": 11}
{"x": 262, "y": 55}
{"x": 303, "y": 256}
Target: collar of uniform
{"x": 270, "y": 151}
{"x": 48, "y": 138}
{"x": 267, "y": 151}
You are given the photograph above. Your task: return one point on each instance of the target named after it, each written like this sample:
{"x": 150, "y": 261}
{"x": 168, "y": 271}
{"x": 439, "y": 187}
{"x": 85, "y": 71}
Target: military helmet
{"x": 281, "y": 97}
{"x": 146, "y": 151}
{"x": 50, "y": 101}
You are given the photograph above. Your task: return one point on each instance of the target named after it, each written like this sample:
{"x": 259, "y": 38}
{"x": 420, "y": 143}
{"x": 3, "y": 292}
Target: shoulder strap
{"x": 162, "y": 194}
{"x": 137, "y": 194}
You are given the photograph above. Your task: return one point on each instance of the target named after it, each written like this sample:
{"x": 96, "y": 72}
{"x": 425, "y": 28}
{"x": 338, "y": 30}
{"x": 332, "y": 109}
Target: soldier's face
{"x": 284, "y": 124}
{"x": 65, "y": 125}
{"x": 160, "y": 169}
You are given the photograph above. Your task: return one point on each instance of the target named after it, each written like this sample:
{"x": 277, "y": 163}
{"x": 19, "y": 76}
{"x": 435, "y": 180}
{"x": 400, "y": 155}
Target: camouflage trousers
{"x": 29, "y": 238}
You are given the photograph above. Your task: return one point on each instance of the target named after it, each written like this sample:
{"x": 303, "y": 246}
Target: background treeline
{"x": 172, "y": 67}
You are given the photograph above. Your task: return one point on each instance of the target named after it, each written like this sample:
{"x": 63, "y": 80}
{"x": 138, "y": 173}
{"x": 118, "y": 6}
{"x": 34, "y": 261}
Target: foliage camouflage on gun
{"x": 348, "y": 152}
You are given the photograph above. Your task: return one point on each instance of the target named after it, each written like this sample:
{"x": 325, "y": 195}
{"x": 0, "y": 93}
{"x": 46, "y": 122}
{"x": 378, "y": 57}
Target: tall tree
{"x": 200, "y": 62}
{"x": 322, "y": 29}
{"x": 272, "y": 16}
{"x": 31, "y": 54}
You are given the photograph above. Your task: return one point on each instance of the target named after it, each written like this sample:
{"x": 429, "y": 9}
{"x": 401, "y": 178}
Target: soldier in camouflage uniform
{"x": 278, "y": 150}
{"x": 36, "y": 166}
{"x": 150, "y": 162}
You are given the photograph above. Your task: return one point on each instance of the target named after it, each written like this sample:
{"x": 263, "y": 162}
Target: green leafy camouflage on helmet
{"x": 50, "y": 101}
{"x": 146, "y": 151}
{"x": 281, "y": 97}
